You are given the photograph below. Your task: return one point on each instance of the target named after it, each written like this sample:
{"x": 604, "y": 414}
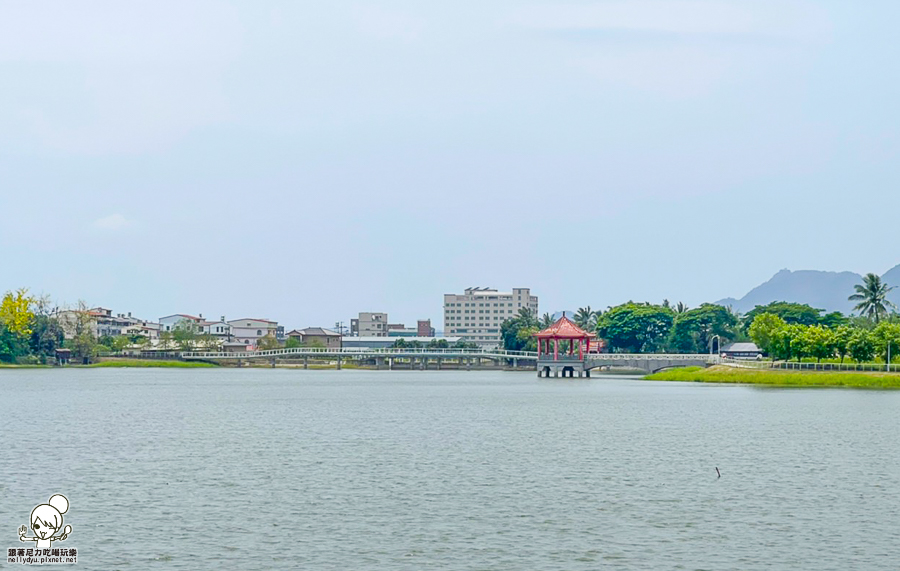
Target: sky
{"x": 308, "y": 160}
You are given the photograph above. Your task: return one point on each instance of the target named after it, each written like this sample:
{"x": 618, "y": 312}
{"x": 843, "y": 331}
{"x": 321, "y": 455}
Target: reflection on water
{"x": 276, "y": 469}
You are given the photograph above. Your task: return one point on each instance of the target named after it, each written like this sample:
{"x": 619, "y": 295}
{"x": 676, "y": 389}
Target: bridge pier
{"x": 339, "y": 363}
{"x": 439, "y": 362}
{"x": 468, "y": 363}
{"x": 305, "y": 362}
{"x": 273, "y": 362}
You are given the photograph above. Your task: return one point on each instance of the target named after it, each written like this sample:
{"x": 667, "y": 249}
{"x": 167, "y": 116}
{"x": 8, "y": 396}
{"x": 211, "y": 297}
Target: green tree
{"x": 886, "y": 337}
{"x": 861, "y": 346}
{"x": 818, "y": 342}
{"x": 834, "y": 320}
{"x": 636, "y": 328}
{"x": 842, "y": 337}
{"x": 510, "y": 328}
{"x": 185, "y": 334}
{"x": 766, "y": 333}
{"x": 586, "y": 318}
{"x": 166, "y": 339}
{"x": 546, "y": 321}
{"x": 791, "y": 313}
{"x": 438, "y": 344}
{"x": 794, "y": 339}
{"x": 83, "y": 343}
{"x": 292, "y": 343}
{"x": 693, "y": 330}
{"x": 872, "y": 298}
{"x": 526, "y": 338}
{"x": 268, "y": 343}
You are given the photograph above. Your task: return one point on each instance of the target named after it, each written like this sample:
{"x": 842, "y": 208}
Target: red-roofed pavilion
{"x": 563, "y": 329}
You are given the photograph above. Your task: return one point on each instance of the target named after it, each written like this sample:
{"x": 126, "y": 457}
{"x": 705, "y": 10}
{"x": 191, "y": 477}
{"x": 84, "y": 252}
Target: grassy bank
{"x": 150, "y": 364}
{"x": 721, "y": 374}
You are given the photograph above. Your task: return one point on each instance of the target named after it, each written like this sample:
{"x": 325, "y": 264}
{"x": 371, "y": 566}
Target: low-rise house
{"x": 328, "y": 338}
{"x": 220, "y": 329}
{"x": 742, "y": 351}
{"x": 250, "y": 330}
{"x": 169, "y": 322}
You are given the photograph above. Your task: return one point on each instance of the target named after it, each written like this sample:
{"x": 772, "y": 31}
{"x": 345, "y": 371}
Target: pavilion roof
{"x": 564, "y": 328}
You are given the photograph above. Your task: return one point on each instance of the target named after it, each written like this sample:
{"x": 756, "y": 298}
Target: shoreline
{"x": 779, "y": 378}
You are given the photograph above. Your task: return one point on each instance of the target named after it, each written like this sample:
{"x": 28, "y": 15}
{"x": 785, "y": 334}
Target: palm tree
{"x": 546, "y": 321}
{"x": 680, "y": 308}
{"x": 586, "y": 318}
{"x": 872, "y": 298}
{"x": 527, "y": 318}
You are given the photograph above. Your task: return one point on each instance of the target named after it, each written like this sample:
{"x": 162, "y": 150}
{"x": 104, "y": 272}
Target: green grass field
{"x": 721, "y": 374}
{"x": 151, "y": 364}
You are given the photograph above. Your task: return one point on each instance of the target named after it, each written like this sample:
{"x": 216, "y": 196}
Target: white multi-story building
{"x": 169, "y": 322}
{"x": 476, "y": 315}
{"x": 220, "y": 329}
{"x": 249, "y": 331}
{"x": 369, "y": 325}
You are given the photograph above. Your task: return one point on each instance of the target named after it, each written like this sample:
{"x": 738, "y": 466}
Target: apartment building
{"x": 369, "y": 325}
{"x": 476, "y": 315}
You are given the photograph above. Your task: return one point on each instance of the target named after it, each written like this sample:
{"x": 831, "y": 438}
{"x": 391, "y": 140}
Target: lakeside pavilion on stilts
{"x": 553, "y": 364}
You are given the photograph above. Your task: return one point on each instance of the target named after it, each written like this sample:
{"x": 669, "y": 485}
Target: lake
{"x": 290, "y": 469}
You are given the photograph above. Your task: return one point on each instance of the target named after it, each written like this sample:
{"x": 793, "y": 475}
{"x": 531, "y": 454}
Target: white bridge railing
{"x": 653, "y": 357}
{"x": 360, "y": 352}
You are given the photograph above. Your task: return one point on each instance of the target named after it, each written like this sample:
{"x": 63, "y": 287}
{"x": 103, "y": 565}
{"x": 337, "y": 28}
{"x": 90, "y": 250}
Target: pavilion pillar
{"x": 556, "y": 349}
{"x": 540, "y": 342}
{"x": 580, "y": 351}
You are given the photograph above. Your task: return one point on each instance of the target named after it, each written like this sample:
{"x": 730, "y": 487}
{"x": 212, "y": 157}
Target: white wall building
{"x": 169, "y": 322}
{"x": 249, "y": 331}
{"x": 370, "y": 324}
{"x": 476, "y": 315}
{"x": 220, "y": 329}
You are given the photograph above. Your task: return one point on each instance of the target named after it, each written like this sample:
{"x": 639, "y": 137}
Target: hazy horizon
{"x": 306, "y": 163}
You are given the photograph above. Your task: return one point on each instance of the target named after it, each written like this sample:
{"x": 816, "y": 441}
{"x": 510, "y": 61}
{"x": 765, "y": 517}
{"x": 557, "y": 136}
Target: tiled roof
{"x": 564, "y": 328}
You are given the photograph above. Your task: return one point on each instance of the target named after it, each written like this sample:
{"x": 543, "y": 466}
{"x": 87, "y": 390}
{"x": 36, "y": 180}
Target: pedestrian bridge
{"x": 423, "y": 358}
{"x": 572, "y": 366}
{"x": 420, "y": 358}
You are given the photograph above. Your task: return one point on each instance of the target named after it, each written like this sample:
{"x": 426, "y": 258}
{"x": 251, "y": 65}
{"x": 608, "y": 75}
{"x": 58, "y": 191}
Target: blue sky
{"x": 304, "y": 161}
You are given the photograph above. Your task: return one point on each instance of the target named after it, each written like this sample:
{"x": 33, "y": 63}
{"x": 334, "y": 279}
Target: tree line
{"x": 784, "y": 330}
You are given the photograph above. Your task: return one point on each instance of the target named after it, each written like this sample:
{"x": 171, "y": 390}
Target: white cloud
{"x": 113, "y": 222}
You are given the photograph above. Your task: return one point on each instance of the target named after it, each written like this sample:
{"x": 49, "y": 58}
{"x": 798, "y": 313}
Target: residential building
{"x": 424, "y": 328}
{"x": 369, "y": 325}
{"x": 169, "y": 322}
{"x": 102, "y": 322}
{"x": 476, "y": 315}
{"x": 249, "y": 330}
{"x": 220, "y": 329}
{"x": 328, "y": 338}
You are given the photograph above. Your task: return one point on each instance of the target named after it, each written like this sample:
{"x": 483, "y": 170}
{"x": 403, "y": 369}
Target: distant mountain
{"x": 822, "y": 290}
{"x": 892, "y": 278}
{"x": 556, "y": 315}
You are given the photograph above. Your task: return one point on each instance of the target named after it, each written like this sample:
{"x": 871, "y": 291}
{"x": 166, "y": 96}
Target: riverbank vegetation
{"x": 723, "y": 374}
{"x": 783, "y": 330}
{"x": 151, "y": 363}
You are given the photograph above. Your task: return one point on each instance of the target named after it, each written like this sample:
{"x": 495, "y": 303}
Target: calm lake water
{"x": 290, "y": 469}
